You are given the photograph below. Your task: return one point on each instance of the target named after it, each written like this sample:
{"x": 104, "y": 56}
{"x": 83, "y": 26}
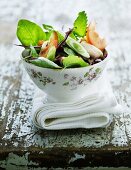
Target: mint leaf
{"x": 80, "y": 24}
{"x": 74, "y": 61}
{"x": 73, "y": 36}
{"x": 29, "y": 33}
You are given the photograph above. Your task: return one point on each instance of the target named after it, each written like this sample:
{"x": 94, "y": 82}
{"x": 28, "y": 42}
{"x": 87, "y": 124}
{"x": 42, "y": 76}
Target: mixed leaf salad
{"x": 47, "y": 47}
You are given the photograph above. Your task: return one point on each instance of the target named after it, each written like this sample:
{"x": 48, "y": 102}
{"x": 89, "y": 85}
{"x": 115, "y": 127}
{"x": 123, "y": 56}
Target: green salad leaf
{"x": 64, "y": 49}
{"x": 48, "y": 30}
{"x": 69, "y": 51}
{"x": 33, "y": 52}
{"x": 61, "y": 36}
{"x": 29, "y": 33}
{"x": 44, "y": 62}
{"x": 80, "y": 24}
{"x": 73, "y": 61}
{"x": 73, "y": 36}
{"x": 47, "y": 27}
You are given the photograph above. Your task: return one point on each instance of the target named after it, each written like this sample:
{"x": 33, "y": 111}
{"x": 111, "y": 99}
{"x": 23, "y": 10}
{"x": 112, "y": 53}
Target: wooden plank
{"x": 21, "y": 144}
{"x": 78, "y": 147}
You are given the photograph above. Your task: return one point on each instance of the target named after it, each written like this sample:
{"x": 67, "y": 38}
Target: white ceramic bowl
{"x": 66, "y": 84}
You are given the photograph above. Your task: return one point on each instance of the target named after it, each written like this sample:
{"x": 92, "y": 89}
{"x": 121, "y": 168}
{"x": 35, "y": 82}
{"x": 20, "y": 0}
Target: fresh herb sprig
{"x": 80, "y": 24}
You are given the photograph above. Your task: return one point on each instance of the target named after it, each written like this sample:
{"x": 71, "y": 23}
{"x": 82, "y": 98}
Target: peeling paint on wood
{"x": 16, "y": 102}
{"x": 21, "y": 144}
{"x": 19, "y": 136}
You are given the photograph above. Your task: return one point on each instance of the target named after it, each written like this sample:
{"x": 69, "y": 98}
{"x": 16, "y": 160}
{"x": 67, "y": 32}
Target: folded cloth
{"x": 92, "y": 111}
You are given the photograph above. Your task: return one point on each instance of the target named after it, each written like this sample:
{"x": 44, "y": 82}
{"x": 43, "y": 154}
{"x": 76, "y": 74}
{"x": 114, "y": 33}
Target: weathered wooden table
{"x": 21, "y": 144}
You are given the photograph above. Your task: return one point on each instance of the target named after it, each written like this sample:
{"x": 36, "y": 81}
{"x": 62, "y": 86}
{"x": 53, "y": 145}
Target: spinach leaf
{"x": 44, "y": 62}
{"x": 29, "y": 33}
{"x": 73, "y": 61}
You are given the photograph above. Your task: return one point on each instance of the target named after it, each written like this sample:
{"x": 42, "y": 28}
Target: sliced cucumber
{"x": 69, "y": 51}
{"x": 77, "y": 47}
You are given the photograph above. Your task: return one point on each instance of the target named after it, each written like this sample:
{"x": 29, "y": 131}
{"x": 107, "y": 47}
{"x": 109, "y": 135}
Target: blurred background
{"x": 113, "y": 20}
{"x": 113, "y": 16}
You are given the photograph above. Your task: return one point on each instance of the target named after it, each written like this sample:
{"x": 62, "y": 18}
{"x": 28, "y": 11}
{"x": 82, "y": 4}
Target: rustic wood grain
{"x": 21, "y": 144}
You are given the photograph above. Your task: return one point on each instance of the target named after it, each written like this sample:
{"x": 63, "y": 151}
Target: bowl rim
{"x": 60, "y": 69}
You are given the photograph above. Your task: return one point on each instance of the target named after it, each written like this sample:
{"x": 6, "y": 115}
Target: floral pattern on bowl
{"x": 74, "y": 81}
{"x": 43, "y": 79}
{"x": 66, "y": 84}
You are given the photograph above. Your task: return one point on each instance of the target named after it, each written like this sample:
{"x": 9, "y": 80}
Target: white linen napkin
{"x": 92, "y": 111}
